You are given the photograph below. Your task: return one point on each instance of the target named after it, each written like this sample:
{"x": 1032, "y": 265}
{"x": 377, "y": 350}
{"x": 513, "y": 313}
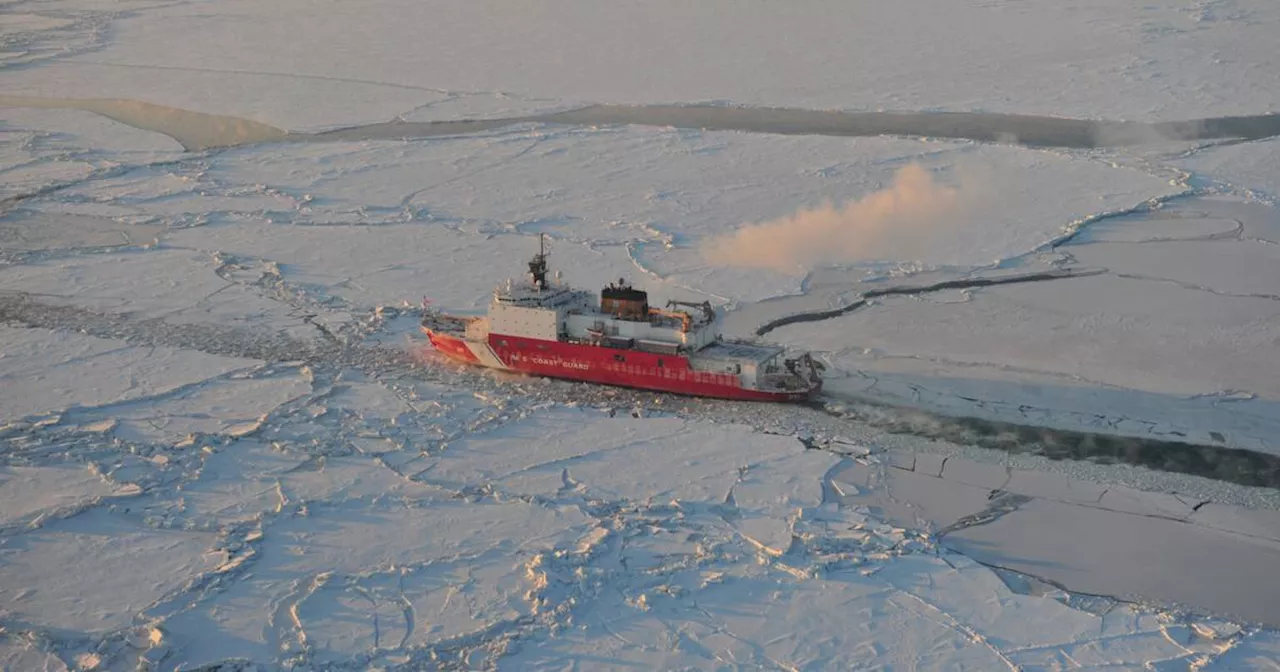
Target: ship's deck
{"x": 739, "y": 353}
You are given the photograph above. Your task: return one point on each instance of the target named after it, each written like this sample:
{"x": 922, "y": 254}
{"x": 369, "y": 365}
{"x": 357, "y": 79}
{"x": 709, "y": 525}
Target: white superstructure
{"x": 552, "y": 311}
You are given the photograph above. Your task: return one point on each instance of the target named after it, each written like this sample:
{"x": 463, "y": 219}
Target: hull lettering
{"x": 544, "y": 361}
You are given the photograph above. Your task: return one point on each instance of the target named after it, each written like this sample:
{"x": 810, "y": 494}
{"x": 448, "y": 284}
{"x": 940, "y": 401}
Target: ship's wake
{"x": 820, "y": 420}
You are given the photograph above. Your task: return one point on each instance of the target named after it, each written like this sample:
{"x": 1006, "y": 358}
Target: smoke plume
{"x": 886, "y": 224}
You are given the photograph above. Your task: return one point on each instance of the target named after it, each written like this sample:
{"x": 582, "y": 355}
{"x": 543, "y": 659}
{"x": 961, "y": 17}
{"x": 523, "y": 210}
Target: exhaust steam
{"x": 893, "y": 223}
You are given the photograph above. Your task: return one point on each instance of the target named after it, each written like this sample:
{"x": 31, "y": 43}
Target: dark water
{"x": 1028, "y": 130}
{"x": 199, "y": 131}
{"x": 1233, "y": 465}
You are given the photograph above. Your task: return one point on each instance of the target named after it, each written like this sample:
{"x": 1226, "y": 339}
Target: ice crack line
{"x": 1199, "y": 288}
{"x": 968, "y": 283}
{"x": 942, "y": 617}
{"x": 1002, "y": 503}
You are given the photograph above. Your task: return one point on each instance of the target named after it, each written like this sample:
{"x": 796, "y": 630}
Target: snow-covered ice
{"x": 61, "y": 371}
{"x": 1173, "y": 333}
{"x": 110, "y": 565}
{"x": 223, "y": 444}
{"x": 373, "y": 61}
{"x": 1113, "y": 541}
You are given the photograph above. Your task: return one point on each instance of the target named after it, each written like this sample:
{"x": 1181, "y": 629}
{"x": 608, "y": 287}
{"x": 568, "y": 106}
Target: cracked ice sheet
{"x": 248, "y": 479}
{"x": 394, "y": 265}
{"x": 106, "y": 568}
{"x": 30, "y": 231}
{"x": 917, "y": 612}
{"x": 342, "y": 566}
{"x": 455, "y": 567}
{"x": 1258, "y": 651}
{"x": 54, "y": 133}
{"x": 17, "y": 654}
{"x": 687, "y": 587}
{"x": 394, "y": 420}
{"x": 374, "y": 566}
{"x": 1114, "y": 541}
{"x": 232, "y": 405}
{"x": 1224, "y": 267}
{"x": 55, "y": 371}
{"x": 1252, "y": 166}
{"x": 643, "y": 195}
{"x": 1133, "y": 557}
{"x": 42, "y": 149}
{"x": 175, "y": 285}
{"x": 180, "y": 195}
{"x": 1061, "y": 351}
{"x": 237, "y": 483}
{"x": 1199, "y": 218}
{"x": 577, "y": 451}
{"x": 28, "y": 172}
{"x": 394, "y": 543}
{"x": 1046, "y": 58}
{"x": 35, "y": 494}
{"x": 110, "y": 176}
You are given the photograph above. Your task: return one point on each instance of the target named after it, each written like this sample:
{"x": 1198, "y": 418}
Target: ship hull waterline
{"x": 592, "y": 364}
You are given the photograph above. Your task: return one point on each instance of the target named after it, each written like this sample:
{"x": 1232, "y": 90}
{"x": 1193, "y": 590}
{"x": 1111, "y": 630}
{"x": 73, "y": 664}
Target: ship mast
{"x": 538, "y": 266}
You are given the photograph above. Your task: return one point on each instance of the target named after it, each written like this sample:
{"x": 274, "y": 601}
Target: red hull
{"x": 606, "y": 366}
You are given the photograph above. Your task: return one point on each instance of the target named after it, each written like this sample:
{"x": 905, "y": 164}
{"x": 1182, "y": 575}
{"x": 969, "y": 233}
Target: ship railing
{"x": 437, "y": 321}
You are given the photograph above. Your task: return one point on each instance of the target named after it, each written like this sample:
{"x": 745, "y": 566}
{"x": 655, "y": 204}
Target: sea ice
{"x": 223, "y": 442}
{"x": 60, "y": 370}
{"x": 373, "y": 62}
{"x": 111, "y": 566}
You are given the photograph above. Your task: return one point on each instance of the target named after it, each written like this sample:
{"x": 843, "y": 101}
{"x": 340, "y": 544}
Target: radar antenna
{"x": 538, "y": 266}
